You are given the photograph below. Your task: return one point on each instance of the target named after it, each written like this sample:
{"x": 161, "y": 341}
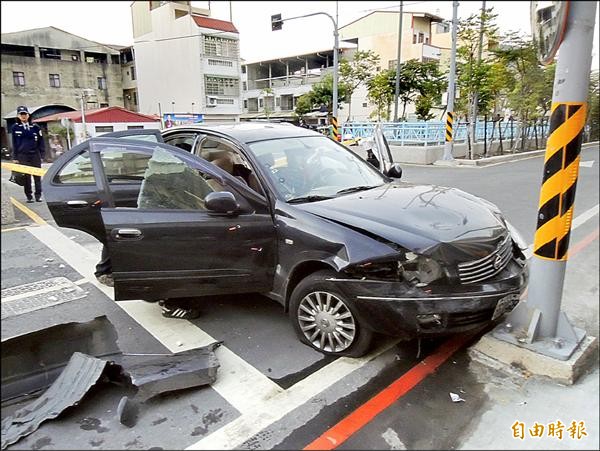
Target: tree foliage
{"x": 381, "y": 93}
{"x": 475, "y": 76}
{"x": 321, "y": 94}
{"x": 358, "y": 71}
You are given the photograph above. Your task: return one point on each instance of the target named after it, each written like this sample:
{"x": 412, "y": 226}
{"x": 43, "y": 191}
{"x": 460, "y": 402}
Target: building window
{"x": 135, "y": 127}
{"x": 75, "y": 57}
{"x": 421, "y": 36}
{"x": 244, "y": 86}
{"x": 414, "y": 38}
{"x": 392, "y": 64}
{"x": 260, "y": 103}
{"x": 243, "y": 69}
{"x": 224, "y": 101}
{"x": 215, "y": 46}
{"x": 221, "y": 86}
{"x": 364, "y": 104}
{"x": 134, "y": 97}
{"x": 19, "y": 78}
{"x": 426, "y": 39}
{"x": 225, "y": 63}
{"x": 245, "y": 104}
{"x": 54, "y": 80}
{"x": 104, "y": 105}
{"x": 104, "y": 129}
{"x": 101, "y": 82}
{"x": 133, "y": 73}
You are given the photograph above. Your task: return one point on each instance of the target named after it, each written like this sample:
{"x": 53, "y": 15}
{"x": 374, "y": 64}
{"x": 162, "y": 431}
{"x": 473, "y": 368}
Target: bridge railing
{"x": 432, "y": 133}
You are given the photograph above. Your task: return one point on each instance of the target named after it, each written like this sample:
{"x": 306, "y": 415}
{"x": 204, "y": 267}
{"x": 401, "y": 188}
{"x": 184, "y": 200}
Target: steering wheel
{"x": 292, "y": 179}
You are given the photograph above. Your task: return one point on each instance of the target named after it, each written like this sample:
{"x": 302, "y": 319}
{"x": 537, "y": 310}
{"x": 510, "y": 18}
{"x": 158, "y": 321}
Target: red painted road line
{"x": 583, "y": 243}
{"x": 339, "y": 433}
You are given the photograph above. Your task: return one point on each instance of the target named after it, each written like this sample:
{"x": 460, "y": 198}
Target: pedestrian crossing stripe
{"x": 449, "y": 121}
{"x": 559, "y": 181}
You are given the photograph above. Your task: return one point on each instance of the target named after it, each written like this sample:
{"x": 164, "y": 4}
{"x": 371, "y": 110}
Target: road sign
{"x": 548, "y": 26}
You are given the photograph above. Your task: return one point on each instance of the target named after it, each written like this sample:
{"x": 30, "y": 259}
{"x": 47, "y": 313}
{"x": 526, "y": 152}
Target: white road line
{"x": 579, "y": 220}
{"x": 242, "y": 385}
{"x": 233, "y": 434}
{"x": 586, "y": 164}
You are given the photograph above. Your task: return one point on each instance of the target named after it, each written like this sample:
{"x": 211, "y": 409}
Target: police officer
{"x": 28, "y": 149}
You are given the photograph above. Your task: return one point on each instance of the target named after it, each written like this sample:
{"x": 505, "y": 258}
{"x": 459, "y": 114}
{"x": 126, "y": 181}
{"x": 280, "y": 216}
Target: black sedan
{"x": 275, "y": 209}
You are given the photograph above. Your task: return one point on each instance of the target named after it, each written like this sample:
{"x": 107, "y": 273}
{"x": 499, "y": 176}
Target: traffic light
{"x": 276, "y": 22}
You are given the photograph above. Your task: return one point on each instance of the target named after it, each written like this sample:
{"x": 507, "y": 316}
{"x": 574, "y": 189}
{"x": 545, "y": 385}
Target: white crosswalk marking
{"x": 235, "y": 374}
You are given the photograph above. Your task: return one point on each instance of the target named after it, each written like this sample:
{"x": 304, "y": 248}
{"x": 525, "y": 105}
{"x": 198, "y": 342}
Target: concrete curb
{"x": 500, "y": 158}
{"x": 511, "y": 359}
{"x": 8, "y": 212}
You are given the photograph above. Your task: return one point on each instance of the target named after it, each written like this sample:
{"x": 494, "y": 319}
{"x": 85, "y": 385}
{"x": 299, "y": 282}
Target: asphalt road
{"x": 272, "y": 392}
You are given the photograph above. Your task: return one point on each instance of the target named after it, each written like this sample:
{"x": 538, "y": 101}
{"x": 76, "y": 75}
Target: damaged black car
{"x": 347, "y": 249}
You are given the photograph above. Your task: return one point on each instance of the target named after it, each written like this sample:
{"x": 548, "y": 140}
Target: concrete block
{"x": 509, "y": 358}
{"x": 8, "y": 212}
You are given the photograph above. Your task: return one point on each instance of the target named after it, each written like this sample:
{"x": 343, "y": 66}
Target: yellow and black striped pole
{"x": 561, "y": 169}
{"x": 539, "y": 324}
{"x": 334, "y": 129}
{"x": 449, "y": 122}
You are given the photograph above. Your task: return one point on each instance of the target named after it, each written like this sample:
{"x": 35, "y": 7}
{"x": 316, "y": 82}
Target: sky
{"x": 110, "y": 22}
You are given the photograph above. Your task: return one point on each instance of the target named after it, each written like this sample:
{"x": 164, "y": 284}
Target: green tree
{"x": 303, "y": 105}
{"x": 381, "y": 93}
{"x": 359, "y": 70}
{"x": 473, "y": 76}
{"x": 531, "y": 86}
{"x": 423, "y": 107}
{"x": 322, "y": 92}
{"x": 267, "y": 93}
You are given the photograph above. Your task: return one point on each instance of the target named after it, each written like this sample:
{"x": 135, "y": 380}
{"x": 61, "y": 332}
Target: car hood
{"x": 421, "y": 218}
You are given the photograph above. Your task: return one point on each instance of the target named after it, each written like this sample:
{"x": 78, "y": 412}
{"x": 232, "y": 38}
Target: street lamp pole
{"x": 83, "y": 116}
{"x": 335, "y": 60}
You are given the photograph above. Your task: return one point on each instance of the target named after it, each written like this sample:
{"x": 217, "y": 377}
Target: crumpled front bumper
{"x": 400, "y": 309}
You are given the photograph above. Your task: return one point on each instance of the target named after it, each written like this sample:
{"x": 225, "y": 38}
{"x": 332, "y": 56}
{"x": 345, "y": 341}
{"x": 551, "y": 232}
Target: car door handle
{"x": 127, "y": 234}
{"x": 77, "y": 203}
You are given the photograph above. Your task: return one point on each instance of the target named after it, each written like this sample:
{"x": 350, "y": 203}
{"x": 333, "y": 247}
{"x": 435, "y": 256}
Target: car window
{"x": 170, "y": 183}
{"x": 313, "y": 166}
{"x": 124, "y": 167}
{"x": 184, "y": 142}
{"x": 77, "y": 171}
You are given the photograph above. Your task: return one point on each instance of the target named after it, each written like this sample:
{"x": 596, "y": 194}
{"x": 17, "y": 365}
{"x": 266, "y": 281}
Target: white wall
{"x": 117, "y": 126}
{"x": 172, "y": 70}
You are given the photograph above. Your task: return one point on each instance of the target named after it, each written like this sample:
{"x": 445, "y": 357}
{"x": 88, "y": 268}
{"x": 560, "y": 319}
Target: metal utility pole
{"x": 476, "y": 95}
{"x": 276, "y": 24}
{"x": 539, "y": 324}
{"x": 83, "y": 116}
{"x": 397, "y": 92}
{"x": 449, "y": 144}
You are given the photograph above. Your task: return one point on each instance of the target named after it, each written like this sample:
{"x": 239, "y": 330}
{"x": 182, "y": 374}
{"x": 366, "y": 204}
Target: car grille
{"x": 486, "y": 267}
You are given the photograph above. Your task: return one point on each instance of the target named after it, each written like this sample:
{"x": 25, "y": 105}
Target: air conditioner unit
{"x": 211, "y": 101}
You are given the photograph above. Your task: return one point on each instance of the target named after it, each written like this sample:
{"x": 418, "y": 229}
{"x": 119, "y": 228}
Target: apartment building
{"x": 48, "y": 69}
{"x": 271, "y": 88}
{"x": 185, "y": 62}
{"x": 425, "y": 37}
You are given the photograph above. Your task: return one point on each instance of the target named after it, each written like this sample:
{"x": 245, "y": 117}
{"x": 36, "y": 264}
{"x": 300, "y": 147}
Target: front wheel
{"x": 325, "y": 319}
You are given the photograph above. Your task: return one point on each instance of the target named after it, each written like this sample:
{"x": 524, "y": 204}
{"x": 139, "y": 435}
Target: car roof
{"x": 249, "y": 132}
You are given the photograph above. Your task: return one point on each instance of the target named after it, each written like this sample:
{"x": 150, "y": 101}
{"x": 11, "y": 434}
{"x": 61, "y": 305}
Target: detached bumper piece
{"x": 151, "y": 374}
{"x": 167, "y": 373}
{"x": 80, "y": 374}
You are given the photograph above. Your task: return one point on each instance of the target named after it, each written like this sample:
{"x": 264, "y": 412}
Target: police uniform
{"x": 29, "y": 149}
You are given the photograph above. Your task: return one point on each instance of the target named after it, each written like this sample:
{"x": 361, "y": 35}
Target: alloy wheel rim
{"x": 326, "y": 321}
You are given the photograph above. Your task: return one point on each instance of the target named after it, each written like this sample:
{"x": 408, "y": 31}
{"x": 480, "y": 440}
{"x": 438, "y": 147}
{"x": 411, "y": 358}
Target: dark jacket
{"x": 27, "y": 139}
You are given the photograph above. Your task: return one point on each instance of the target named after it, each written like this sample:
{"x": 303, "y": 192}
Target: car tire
{"x": 325, "y": 319}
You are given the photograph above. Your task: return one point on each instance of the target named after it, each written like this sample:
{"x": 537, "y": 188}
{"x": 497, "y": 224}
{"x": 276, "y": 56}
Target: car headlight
{"x": 416, "y": 269}
{"x": 421, "y": 270}
{"x": 516, "y": 236}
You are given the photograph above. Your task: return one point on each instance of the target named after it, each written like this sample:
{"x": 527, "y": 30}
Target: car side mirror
{"x": 395, "y": 171}
{"x": 222, "y": 202}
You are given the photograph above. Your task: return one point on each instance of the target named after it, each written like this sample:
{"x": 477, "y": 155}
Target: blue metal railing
{"x": 432, "y": 133}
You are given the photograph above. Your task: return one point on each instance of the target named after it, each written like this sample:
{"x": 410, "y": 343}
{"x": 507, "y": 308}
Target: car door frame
{"x": 176, "y": 286}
